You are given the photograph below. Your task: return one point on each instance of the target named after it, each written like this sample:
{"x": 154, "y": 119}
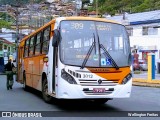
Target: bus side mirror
{"x": 56, "y": 38}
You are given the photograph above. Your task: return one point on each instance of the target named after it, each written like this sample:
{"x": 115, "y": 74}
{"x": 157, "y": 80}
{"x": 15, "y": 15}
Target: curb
{"x": 145, "y": 84}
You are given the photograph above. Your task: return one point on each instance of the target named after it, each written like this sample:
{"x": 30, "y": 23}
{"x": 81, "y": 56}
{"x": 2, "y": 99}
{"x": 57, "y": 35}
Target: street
{"x": 142, "y": 99}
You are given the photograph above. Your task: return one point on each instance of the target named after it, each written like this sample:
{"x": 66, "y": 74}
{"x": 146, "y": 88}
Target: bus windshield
{"x": 77, "y": 37}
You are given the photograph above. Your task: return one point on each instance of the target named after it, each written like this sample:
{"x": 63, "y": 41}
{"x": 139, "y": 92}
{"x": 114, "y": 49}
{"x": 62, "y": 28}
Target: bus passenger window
{"x": 26, "y": 48}
{"x": 31, "y": 46}
{"x": 45, "y": 43}
{"x": 38, "y": 45}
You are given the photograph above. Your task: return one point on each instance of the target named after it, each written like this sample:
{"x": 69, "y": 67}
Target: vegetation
{"x": 113, "y": 7}
{"x": 4, "y": 24}
{"x": 6, "y": 17}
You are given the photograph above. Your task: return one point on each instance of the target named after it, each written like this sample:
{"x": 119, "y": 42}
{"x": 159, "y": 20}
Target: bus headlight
{"x": 67, "y": 77}
{"x": 127, "y": 78}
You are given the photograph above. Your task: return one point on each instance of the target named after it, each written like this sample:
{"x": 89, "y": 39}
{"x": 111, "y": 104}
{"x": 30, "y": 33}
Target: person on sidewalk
{"x": 8, "y": 68}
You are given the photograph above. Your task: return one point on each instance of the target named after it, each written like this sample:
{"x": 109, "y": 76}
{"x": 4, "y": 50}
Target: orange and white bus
{"x": 77, "y": 58}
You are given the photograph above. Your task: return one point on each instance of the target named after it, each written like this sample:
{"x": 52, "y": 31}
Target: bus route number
{"x": 87, "y": 76}
{"x": 77, "y": 25}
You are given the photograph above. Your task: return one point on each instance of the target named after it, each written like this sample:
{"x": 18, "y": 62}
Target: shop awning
{"x": 148, "y": 50}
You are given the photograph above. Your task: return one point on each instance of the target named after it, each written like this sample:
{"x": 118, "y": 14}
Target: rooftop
{"x": 151, "y": 16}
{"x": 5, "y": 41}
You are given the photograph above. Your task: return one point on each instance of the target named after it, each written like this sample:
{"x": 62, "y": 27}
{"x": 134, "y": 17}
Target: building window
{"x": 5, "y": 47}
{"x": 150, "y": 30}
{"x": 9, "y": 49}
{"x": 130, "y": 31}
{"x": 145, "y": 31}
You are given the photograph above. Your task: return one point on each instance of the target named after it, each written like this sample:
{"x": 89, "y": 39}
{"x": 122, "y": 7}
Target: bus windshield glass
{"x": 77, "y": 37}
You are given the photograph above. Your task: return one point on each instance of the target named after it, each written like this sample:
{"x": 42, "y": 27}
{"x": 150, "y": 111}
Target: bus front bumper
{"x": 73, "y": 91}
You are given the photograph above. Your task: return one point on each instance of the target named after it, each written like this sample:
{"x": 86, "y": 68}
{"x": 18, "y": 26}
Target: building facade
{"x": 144, "y": 31}
{"x": 7, "y": 50}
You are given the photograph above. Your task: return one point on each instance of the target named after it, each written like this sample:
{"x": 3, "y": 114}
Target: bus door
{"x": 54, "y": 68}
{"x": 56, "y": 37}
{"x": 20, "y": 65}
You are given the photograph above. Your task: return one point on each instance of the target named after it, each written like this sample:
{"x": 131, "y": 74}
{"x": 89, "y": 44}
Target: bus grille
{"x": 96, "y": 83}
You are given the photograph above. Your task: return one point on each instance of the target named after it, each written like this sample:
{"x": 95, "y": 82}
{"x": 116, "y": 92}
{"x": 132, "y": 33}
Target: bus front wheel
{"x": 45, "y": 95}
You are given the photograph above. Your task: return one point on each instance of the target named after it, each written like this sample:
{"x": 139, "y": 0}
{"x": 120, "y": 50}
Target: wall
{"x": 145, "y": 40}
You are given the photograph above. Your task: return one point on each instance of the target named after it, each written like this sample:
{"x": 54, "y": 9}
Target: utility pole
{"x": 96, "y": 8}
{"x": 17, "y": 35}
{"x": 15, "y": 13}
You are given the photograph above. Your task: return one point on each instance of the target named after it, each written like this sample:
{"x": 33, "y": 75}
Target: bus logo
{"x": 99, "y": 81}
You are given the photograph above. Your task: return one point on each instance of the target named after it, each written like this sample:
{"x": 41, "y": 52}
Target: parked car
{"x": 141, "y": 65}
{"x": 136, "y": 66}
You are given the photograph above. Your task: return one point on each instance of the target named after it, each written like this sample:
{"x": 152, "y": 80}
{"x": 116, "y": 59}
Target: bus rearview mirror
{"x": 56, "y": 37}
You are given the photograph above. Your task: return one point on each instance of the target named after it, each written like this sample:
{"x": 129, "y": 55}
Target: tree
{"x": 113, "y": 7}
{"x": 4, "y": 24}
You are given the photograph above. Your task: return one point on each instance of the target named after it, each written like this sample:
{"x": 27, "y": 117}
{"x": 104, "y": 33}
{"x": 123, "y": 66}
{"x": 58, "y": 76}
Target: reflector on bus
{"x": 45, "y": 59}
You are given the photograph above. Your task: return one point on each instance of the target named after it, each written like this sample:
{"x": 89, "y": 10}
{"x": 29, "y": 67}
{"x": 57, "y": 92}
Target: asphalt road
{"x": 142, "y": 99}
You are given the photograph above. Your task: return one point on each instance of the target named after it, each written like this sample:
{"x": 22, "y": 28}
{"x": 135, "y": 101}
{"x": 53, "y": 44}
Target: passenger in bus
{"x": 8, "y": 68}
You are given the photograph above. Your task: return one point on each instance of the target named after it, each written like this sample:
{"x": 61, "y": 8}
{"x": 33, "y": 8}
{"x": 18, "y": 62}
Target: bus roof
{"x": 90, "y": 18}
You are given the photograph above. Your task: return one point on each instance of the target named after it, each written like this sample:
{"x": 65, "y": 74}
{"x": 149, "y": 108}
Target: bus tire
{"x": 100, "y": 101}
{"x": 45, "y": 95}
{"x": 25, "y": 87}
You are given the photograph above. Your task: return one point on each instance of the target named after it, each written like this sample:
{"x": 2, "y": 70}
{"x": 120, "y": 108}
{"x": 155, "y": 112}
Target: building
{"x": 144, "y": 32}
{"x": 7, "y": 50}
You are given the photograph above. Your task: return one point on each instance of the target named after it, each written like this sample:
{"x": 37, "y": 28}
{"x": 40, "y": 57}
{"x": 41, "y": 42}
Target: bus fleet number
{"x": 87, "y": 76}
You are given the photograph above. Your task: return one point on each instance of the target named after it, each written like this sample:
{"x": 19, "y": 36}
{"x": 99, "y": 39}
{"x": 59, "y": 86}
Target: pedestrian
{"x": 8, "y": 68}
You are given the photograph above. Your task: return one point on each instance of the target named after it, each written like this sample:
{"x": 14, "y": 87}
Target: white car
{"x": 143, "y": 65}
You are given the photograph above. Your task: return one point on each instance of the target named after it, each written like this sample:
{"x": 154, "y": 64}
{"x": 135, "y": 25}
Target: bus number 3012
{"x": 87, "y": 76}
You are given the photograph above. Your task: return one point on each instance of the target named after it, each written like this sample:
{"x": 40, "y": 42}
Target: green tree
{"x": 113, "y": 7}
{"x": 4, "y": 24}
{"x": 6, "y": 17}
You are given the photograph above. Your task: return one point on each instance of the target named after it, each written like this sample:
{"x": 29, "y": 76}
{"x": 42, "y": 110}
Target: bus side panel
{"x": 28, "y": 65}
{"x": 41, "y": 67}
{"x": 36, "y": 71}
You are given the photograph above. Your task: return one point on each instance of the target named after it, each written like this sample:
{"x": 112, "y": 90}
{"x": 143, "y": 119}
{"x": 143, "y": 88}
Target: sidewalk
{"x": 145, "y": 84}
{"x": 141, "y": 79}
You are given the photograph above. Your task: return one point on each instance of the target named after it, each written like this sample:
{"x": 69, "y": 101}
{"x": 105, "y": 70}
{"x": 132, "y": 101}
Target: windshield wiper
{"x": 89, "y": 52}
{"x": 106, "y": 53}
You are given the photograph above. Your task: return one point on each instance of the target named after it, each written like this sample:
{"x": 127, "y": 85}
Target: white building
{"x": 144, "y": 31}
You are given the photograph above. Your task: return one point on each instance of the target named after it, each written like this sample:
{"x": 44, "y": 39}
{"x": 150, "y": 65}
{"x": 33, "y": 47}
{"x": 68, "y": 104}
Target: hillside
{"x": 113, "y": 7}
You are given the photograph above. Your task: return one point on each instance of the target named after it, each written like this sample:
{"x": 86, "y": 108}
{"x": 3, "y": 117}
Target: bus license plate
{"x": 98, "y": 90}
